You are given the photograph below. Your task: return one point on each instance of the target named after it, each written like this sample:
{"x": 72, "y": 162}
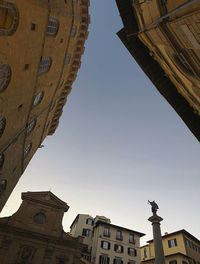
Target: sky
{"x": 119, "y": 143}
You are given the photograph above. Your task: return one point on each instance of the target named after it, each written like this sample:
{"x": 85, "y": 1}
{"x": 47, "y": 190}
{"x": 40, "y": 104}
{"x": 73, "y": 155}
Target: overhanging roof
{"x": 153, "y": 69}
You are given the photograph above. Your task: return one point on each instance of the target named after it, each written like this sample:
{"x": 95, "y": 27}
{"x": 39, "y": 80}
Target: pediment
{"x": 47, "y": 198}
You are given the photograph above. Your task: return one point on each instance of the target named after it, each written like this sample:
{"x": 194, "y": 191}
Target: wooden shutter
{"x": 169, "y": 243}
{"x": 102, "y": 244}
{"x": 122, "y": 249}
{"x": 108, "y": 245}
{"x": 100, "y": 258}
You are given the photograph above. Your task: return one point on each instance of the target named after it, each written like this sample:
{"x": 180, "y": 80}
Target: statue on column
{"x": 154, "y": 207}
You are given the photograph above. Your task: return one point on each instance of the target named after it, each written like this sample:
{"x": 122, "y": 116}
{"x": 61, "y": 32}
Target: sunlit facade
{"x": 41, "y": 44}
{"x": 163, "y": 37}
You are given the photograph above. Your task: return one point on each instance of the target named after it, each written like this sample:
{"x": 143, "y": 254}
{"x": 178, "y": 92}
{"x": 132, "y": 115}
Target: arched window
{"x": 8, "y": 18}
{"x": 3, "y": 185}
{"x": 38, "y": 98}
{"x": 52, "y": 105}
{"x": 30, "y": 127}
{"x": 73, "y": 32}
{"x": 67, "y": 59}
{"x": 1, "y": 160}
{"x": 5, "y": 74}
{"x": 45, "y": 64}
{"x": 27, "y": 149}
{"x": 2, "y": 125}
{"x": 52, "y": 27}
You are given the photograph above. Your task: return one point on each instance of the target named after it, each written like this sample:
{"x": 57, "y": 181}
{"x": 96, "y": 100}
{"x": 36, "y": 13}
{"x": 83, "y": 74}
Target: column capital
{"x": 155, "y": 219}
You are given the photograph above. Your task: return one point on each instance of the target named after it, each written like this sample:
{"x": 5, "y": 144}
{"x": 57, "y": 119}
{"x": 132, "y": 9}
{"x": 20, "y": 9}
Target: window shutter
{"x": 115, "y": 247}
{"x": 102, "y": 244}
{"x": 169, "y": 243}
{"x": 121, "y": 261}
{"x": 122, "y": 249}
{"x": 108, "y": 245}
{"x": 129, "y": 251}
{"x": 135, "y": 252}
{"x": 108, "y": 260}
{"x": 114, "y": 261}
{"x": 175, "y": 242}
{"x": 100, "y": 257}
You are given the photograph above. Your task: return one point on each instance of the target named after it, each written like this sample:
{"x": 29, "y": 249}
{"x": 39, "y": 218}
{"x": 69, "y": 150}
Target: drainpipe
{"x": 160, "y": 19}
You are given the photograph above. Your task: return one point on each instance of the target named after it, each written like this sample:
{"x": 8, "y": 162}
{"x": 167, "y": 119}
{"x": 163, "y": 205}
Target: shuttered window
{"x": 45, "y": 64}
{"x": 8, "y": 18}
{"x": 52, "y": 27}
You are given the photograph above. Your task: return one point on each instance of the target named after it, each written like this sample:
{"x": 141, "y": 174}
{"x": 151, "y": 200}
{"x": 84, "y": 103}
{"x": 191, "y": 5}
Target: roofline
{"x": 119, "y": 227}
{"x": 74, "y": 220}
{"x": 183, "y": 231}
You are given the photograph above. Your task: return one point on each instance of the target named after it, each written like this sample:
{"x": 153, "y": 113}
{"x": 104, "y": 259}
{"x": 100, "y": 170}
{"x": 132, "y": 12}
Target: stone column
{"x": 157, "y": 239}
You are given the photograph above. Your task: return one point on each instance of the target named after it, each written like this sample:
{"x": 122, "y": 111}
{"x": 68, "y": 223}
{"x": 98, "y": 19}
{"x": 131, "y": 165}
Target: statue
{"x": 154, "y": 207}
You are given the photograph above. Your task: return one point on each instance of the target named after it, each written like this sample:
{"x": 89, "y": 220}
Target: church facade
{"x": 34, "y": 234}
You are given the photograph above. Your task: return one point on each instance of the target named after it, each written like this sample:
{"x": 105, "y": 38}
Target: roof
{"x": 45, "y": 197}
{"x": 119, "y": 227}
{"x": 76, "y": 218}
{"x": 182, "y": 231}
{"x": 153, "y": 69}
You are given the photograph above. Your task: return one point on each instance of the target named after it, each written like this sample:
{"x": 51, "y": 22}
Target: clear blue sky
{"x": 119, "y": 143}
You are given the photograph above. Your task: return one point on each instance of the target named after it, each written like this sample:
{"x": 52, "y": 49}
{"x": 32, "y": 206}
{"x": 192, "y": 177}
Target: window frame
{"x": 108, "y": 233}
{"x": 37, "y": 102}
{"x": 2, "y": 125}
{"x": 119, "y": 237}
{"x": 49, "y": 26}
{"x": 134, "y": 253}
{"x": 15, "y": 18}
{"x": 171, "y": 241}
{"x": 6, "y": 70}
{"x": 45, "y": 64}
{"x": 107, "y": 247}
{"x": 116, "y": 248}
{"x": 86, "y": 231}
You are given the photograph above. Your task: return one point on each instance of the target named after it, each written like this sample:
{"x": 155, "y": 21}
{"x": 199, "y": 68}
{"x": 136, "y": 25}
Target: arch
{"x": 5, "y": 76}
{"x": 9, "y": 18}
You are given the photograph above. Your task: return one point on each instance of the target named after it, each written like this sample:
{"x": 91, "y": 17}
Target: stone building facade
{"x": 41, "y": 44}
{"x": 163, "y": 37}
{"x": 107, "y": 243}
{"x": 34, "y": 234}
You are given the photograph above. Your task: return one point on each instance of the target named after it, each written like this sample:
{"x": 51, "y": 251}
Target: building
{"x": 163, "y": 37}
{"x": 107, "y": 243}
{"x": 180, "y": 247}
{"x": 34, "y": 234}
{"x": 41, "y": 44}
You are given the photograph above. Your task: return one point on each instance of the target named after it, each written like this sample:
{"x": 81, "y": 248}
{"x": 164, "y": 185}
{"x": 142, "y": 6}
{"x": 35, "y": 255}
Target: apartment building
{"x": 180, "y": 247}
{"x": 163, "y": 37}
{"x": 41, "y": 44}
{"x": 107, "y": 243}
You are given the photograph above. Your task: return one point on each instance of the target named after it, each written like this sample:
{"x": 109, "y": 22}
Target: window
{"x": 5, "y": 74}
{"x": 173, "y": 262}
{"x": 117, "y": 261}
{"x": 60, "y": 84}
{"x": 184, "y": 262}
{"x": 67, "y": 59}
{"x": 52, "y": 27}
{"x": 172, "y": 243}
{"x": 131, "y": 238}
{"x": 89, "y": 221}
{"x": 145, "y": 252}
{"x": 27, "y": 149}
{"x": 106, "y": 232}
{"x": 132, "y": 252}
{"x": 2, "y": 125}
{"x": 105, "y": 245}
{"x": 1, "y": 160}
{"x": 45, "y": 64}
{"x": 118, "y": 248}
{"x": 39, "y": 218}
{"x": 3, "y": 185}
{"x": 86, "y": 232}
{"x": 73, "y": 32}
{"x": 38, "y": 98}
{"x": 52, "y": 105}
{"x": 30, "y": 127}
{"x": 119, "y": 235}
{"x": 8, "y": 18}
{"x": 103, "y": 259}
